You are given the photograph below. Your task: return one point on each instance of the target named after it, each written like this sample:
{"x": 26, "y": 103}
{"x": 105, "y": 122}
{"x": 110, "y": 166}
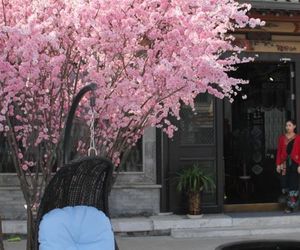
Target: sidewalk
{"x": 169, "y": 243}
{"x": 177, "y": 232}
{"x": 210, "y": 225}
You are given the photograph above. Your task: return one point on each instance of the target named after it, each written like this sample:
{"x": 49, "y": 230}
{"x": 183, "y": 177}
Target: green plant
{"x": 194, "y": 179}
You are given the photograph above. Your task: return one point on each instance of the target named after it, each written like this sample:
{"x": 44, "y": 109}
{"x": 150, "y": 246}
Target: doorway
{"x": 197, "y": 141}
{"x": 251, "y": 130}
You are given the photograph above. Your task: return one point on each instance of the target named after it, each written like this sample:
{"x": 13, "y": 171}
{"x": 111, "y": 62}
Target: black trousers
{"x": 290, "y": 181}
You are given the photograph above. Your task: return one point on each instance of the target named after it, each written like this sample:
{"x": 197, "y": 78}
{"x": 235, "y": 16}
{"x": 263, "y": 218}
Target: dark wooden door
{"x": 196, "y": 142}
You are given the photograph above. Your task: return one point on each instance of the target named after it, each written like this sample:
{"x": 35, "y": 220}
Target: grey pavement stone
{"x": 234, "y": 231}
{"x": 132, "y": 225}
{"x": 176, "y": 221}
{"x": 279, "y": 219}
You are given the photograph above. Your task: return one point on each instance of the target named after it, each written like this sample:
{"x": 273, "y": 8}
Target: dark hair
{"x": 291, "y": 121}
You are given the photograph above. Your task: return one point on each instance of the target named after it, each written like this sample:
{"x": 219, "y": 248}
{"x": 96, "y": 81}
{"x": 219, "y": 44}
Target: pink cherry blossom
{"x": 25, "y": 167}
{"x": 146, "y": 57}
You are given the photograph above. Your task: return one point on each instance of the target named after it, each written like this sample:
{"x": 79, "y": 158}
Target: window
{"x": 198, "y": 127}
{"x": 134, "y": 162}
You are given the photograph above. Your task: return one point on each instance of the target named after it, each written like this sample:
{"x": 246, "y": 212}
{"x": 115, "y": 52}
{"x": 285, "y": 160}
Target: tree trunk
{"x": 31, "y": 230}
{"x": 194, "y": 203}
{"x": 1, "y": 236}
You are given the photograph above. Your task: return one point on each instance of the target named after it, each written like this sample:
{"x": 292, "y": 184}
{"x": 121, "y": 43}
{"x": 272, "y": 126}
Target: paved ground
{"x": 168, "y": 243}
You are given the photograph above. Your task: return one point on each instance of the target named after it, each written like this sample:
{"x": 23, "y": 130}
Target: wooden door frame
{"x": 220, "y": 154}
{"x": 163, "y": 162}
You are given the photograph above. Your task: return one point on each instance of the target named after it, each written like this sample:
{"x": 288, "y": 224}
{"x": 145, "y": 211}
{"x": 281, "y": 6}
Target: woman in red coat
{"x": 288, "y": 164}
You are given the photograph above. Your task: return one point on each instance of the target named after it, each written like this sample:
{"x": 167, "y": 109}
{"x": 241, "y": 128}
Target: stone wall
{"x": 134, "y": 193}
{"x": 125, "y": 200}
{"x": 135, "y": 200}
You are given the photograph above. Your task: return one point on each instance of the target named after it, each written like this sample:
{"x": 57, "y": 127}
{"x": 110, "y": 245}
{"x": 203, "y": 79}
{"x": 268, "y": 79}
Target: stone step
{"x": 265, "y": 219}
{"x": 182, "y": 221}
{"x": 235, "y": 231}
{"x": 226, "y": 220}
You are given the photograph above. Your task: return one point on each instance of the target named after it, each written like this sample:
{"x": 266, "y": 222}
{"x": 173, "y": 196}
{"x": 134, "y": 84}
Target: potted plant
{"x": 193, "y": 180}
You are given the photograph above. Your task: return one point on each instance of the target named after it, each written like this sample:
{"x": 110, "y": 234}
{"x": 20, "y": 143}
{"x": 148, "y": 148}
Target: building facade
{"x": 234, "y": 143}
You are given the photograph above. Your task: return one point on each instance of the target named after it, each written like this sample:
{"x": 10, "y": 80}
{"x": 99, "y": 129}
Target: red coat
{"x": 281, "y": 150}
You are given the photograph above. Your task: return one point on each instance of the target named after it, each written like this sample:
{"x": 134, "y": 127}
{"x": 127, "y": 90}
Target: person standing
{"x": 288, "y": 164}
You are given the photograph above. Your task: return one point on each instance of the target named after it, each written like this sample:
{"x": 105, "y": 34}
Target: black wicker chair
{"x": 85, "y": 181}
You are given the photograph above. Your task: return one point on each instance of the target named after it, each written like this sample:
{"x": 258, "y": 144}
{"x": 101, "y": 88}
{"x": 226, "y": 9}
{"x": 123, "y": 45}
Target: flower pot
{"x": 194, "y": 217}
{"x": 194, "y": 202}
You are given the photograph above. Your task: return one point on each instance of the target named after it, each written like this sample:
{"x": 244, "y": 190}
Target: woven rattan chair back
{"x": 83, "y": 182}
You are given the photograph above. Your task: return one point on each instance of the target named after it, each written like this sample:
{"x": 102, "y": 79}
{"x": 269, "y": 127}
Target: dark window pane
{"x": 6, "y": 164}
{"x": 134, "y": 161}
{"x": 198, "y": 127}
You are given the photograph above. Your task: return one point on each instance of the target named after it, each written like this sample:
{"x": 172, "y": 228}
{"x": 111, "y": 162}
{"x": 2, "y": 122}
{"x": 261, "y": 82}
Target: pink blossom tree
{"x": 146, "y": 57}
